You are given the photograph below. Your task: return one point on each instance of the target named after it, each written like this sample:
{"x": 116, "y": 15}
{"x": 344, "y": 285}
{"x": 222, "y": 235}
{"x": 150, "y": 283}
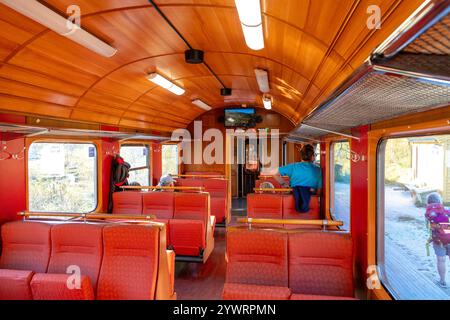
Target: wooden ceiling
{"x": 310, "y": 47}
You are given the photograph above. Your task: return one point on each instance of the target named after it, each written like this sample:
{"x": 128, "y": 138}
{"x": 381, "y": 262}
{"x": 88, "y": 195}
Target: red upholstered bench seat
{"x": 275, "y": 264}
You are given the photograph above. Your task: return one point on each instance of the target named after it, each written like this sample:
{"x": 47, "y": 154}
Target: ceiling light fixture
{"x": 250, "y": 16}
{"x": 262, "y": 77}
{"x": 50, "y": 19}
{"x": 166, "y": 84}
{"x": 267, "y": 102}
{"x": 199, "y": 103}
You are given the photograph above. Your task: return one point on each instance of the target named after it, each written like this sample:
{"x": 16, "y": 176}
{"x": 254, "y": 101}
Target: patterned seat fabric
{"x": 236, "y": 291}
{"x": 127, "y": 202}
{"x": 188, "y": 228}
{"x": 321, "y": 263}
{"x": 257, "y": 257}
{"x": 51, "y": 286}
{"x": 265, "y": 206}
{"x": 79, "y": 245}
{"x": 25, "y": 246}
{"x": 130, "y": 263}
{"x": 15, "y": 284}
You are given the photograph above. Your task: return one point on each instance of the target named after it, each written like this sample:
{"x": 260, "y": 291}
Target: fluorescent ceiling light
{"x": 267, "y": 102}
{"x": 199, "y": 103}
{"x": 262, "y": 77}
{"x": 250, "y": 16}
{"x": 166, "y": 84}
{"x": 50, "y": 19}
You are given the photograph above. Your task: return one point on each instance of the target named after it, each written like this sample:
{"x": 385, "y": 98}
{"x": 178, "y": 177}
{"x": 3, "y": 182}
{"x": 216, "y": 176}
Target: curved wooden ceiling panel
{"x": 310, "y": 47}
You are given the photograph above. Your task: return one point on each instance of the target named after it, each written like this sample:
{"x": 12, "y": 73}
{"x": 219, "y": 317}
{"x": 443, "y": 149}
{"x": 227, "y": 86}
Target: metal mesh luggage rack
{"x": 413, "y": 76}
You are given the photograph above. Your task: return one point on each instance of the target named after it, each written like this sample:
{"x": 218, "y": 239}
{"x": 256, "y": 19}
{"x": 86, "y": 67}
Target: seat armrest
{"x": 171, "y": 267}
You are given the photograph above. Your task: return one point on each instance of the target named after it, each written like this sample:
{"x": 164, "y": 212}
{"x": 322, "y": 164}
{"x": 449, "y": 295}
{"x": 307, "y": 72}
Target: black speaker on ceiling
{"x": 194, "y": 56}
{"x": 225, "y": 92}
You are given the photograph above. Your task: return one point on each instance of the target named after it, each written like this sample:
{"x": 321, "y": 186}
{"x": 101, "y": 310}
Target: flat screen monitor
{"x": 240, "y": 117}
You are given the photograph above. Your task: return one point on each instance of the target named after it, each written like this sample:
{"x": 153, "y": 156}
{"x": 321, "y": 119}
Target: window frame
{"x": 149, "y": 157}
{"x": 331, "y": 176}
{"x": 390, "y": 129}
{"x": 98, "y": 168}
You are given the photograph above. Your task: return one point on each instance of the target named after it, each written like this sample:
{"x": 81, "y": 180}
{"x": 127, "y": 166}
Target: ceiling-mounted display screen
{"x": 240, "y": 117}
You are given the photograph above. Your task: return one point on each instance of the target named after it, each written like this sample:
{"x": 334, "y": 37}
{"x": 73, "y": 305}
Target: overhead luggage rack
{"x": 407, "y": 74}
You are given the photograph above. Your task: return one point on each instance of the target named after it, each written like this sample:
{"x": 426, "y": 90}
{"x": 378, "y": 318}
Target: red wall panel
{"x": 359, "y": 198}
{"x": 12, "y": 173}
{"x": 156, "y": 162}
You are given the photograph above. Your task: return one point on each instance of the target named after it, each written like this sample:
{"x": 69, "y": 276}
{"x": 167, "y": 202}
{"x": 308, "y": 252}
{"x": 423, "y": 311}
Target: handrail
{"x": 324, "y": 223}
{"x": 105, "y": 216}
{"x": 162, "y": 188}
{"x": 213, "y": 176}
{"x": 265, "y": 176}
{"x": 273, "y": 189}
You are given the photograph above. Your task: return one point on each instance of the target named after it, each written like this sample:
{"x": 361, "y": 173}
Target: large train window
{"x": 170, "y": 159}
{"x": 138, "y": 156}
{"x": 340, "y": 183}
{"x": 413, "y": 192}
{"x": 62, "y": 177}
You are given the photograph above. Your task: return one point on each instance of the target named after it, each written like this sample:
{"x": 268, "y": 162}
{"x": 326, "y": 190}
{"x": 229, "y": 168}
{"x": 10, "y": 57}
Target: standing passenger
{"x": 305, "y": 178}
{"x": 438, "y": 217}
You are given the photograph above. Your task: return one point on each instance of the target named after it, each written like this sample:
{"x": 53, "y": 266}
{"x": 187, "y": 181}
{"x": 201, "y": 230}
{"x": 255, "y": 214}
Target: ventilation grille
{"x": 436, "y": 40}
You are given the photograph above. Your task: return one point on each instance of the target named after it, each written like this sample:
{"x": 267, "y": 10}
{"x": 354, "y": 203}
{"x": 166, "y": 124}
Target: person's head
{"x": 307, "y": 153}
{"x": 434, "y": 198}
{"x": 166, "y": 181}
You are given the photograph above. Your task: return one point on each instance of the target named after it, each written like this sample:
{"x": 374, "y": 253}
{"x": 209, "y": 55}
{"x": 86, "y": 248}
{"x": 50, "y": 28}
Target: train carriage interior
{"x": 225, "y": 150}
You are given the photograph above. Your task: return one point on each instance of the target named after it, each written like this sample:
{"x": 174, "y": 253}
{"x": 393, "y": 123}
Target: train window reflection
{"x": 413, "y": 195}
{"x": 62, "y": 177}
{"x": 340, "y": 183}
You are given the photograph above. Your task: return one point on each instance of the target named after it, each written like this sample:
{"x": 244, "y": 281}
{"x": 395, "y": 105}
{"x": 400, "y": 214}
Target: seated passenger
{"x": 437, "y": 215}
{"x": 305, "y": 178}
{"x": 165, "y": 181}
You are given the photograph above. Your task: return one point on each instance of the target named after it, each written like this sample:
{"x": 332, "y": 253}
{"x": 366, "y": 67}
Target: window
{"x": 340, "y": 183}
{"x": 169, "y": 159}
{"x": 317, "y": 152}
{"x": 410, "y": 169}
{"x": 138, "y": 158}
{"x": 62, "y": 177}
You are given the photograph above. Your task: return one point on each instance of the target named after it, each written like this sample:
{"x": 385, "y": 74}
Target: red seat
{"x": 15, "y": 284}
{"x": 264, "y": 206}
{"x": 316, "y": 297}
{"x": 51, "y": 286}
{"x": 256, "y": 257}
{"x": 77, "y": 244}
{"x": 188, "y": 227}
{"x": 321, "y": 263}
{"x": 190, "y": 182}
{"x": 26, "y": 246}
{"x": 160, "y": 204}
{"x": 236, "y": 291}
{"x": 289, "y": 212}
{"x": 130, "y": 263}
{"x": 217, "y": 189}
{"x": 127, "y": 202}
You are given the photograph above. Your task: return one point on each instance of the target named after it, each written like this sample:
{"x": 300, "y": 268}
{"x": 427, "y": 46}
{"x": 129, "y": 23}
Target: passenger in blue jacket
{"x": 305, "y": 178}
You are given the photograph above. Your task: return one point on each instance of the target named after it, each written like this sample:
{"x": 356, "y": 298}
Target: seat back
{"x": 77, "y": 244}
{"x": 127, "y": 202}
{"x": 266, "y": 206}
{"x": 321, "y": 263}
{"x": 192, "y": 206}
{"x": 216, "y": 187}
{"x": 25, "y": 246}
{"x": 160, "y": 204}
{"x": 190, "y": 182}
{"x": 289, "y": 211}
{"x": 130, "y": 263}
{"x": 257, "y": 257}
